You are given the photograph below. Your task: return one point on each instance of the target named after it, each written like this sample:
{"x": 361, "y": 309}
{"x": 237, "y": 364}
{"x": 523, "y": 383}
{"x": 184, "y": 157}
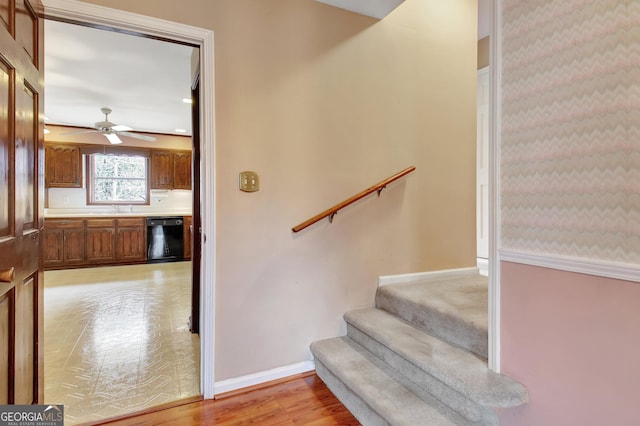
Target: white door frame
{"x": 495, "y": 65}
{"x": 75, "y": 11}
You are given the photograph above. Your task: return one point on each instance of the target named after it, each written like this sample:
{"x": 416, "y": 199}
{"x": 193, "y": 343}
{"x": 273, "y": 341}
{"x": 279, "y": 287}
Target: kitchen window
{"x": 117, "y": 179}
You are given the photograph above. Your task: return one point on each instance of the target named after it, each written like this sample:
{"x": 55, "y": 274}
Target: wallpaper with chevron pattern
{"x": 570, "y": 152}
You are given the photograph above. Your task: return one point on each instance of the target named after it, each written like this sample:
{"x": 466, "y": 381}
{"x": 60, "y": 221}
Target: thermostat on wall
{"x": 249, "y": 181}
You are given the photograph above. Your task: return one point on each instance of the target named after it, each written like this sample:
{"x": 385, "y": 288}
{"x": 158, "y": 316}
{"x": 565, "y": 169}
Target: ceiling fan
{"x": 111, "y": 130}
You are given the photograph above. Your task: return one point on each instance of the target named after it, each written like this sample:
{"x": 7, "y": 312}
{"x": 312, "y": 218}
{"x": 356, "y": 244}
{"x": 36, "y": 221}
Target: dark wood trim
{"x": 196, "y": 219}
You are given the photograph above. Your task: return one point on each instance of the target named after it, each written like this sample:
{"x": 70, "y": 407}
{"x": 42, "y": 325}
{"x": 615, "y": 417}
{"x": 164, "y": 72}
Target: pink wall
{"x": 574, "y": 341}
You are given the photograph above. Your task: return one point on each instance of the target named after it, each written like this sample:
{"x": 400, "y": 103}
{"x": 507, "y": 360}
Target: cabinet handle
{"x": 7, "y": 275}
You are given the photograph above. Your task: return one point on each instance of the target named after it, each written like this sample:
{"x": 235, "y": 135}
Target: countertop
{"x": 92, "y": 213}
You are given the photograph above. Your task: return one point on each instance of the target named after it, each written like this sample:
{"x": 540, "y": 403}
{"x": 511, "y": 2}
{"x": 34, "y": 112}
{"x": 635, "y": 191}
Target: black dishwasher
{"x": 165, "y": 239}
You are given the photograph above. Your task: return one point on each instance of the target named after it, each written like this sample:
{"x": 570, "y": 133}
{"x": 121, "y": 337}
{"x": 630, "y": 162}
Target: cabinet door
{"x": 101, "y": 240}
{"x": 100, "y": 245}
{"x": 188, "y": 236}
{"x": 74, "y": 245}
{"x": 161, "y": 169}
{"x": 53, "y": 250}
{"x": 182, "y": 170}
{"x": 63, "y": 166}
{"x": 131, "y": 240}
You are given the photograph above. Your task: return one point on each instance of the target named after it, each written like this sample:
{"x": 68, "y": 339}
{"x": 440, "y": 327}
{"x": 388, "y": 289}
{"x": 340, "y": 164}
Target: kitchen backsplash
{"x": 74, "y": 200}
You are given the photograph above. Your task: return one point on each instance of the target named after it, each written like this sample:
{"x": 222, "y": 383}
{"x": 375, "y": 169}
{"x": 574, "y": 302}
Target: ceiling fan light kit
{"x": 112, "y": 131}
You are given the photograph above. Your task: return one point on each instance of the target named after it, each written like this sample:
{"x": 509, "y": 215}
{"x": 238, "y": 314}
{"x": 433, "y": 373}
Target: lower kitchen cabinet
{"x": 100, "y": 240}
{"x": 64, "y": 242}
{"x": 79, "y": 242}
{"x": 131, "y": 239}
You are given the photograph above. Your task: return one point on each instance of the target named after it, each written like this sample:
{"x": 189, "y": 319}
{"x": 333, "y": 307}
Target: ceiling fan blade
{"x": 138, "y": 136}
{"x": 78, "y": 131}
{"x": 113, "y": 138}
{"x": 121, "y": 128}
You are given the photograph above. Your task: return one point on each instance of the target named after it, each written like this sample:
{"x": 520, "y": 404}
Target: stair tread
{"x": 362, "y": 374}
{"x": 453, "y": 308}
{"x": 456, "y": 367}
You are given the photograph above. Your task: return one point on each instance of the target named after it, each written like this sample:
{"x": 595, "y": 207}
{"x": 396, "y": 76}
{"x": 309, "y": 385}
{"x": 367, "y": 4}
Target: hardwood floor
{"x": 301, "y": 401}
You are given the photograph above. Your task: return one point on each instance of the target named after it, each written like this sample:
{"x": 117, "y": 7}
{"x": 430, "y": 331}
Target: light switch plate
{"x": 249, "y": 181}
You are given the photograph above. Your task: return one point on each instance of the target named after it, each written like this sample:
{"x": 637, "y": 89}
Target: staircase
{"x": 419, "y": 357}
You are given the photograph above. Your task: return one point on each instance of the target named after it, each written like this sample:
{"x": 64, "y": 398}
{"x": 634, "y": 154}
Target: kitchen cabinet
{"x": 182, "y": 170}
{"x": 170, "y": 169}
{"x": 100, "y": 240}
{"x": 188, "y": 237}
{"x": 63, "y": 166}
{"x": 161, "y": 169}
{"x": 131, "y": 236}
{"x": 90, "y": 241}
{"x": 64, "y": 242}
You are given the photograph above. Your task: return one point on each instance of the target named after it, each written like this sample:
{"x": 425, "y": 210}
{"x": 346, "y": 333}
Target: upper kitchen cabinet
{"x": 182, "y": 170}
{"x": 170, "y": 169}
{"x": 63, "y": 166}
{"x": 161, "y": 169}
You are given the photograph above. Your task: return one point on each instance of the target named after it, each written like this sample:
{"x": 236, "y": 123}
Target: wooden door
{"x": 21, "y": 201}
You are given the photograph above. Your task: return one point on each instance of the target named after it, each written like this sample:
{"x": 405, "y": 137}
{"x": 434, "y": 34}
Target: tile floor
{"x": 117, "y": 339}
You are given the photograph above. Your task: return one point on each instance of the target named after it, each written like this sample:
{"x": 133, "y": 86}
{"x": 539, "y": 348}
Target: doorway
{"x": 90, "y": 15}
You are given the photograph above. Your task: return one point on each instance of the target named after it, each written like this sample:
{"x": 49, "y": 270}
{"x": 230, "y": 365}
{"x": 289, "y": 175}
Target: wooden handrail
{"x": 330, "y": 213}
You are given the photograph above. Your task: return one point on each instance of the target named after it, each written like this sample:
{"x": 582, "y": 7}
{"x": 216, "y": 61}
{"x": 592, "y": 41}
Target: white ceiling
{"x": 142, "y": 80}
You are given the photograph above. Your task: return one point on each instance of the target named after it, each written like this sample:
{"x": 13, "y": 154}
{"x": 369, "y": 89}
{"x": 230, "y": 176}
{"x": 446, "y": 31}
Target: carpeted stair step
{"x": 453, "y": 308}
{"x": 454, "y": 376}
{"x": 374, "y": 393}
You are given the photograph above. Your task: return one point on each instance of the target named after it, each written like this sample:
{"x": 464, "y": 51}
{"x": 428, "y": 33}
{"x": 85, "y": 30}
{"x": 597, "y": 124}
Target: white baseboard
{"x": 263, "y": 377}
{"x": 425, "y": 276}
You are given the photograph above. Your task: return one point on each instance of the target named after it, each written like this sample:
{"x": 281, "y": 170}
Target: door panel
{"x": 6, "y": 151}
{"x": 26, "y": 29}
{"x": 26, "y": 338}
{"x": 21, "y": 201}
{"x": 26, "y": 150}
{"x": 4, "y": 13}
